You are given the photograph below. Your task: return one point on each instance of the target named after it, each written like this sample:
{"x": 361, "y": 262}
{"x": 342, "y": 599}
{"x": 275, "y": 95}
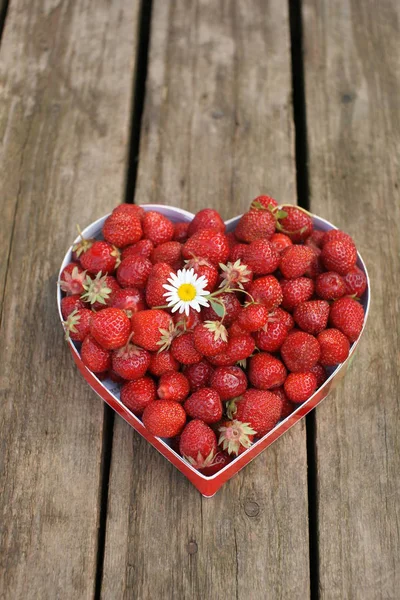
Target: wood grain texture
{"x": 352, "y": 71}
{"x": 217, "y": 131}
{"x": 66, "y": 80}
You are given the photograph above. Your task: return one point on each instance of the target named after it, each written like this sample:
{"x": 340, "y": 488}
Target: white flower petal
{"x": 195, "y": 305}
{"x": 187, "y": 307}
{"x": 203, "y": 301}
{"x": 171, "y": 288}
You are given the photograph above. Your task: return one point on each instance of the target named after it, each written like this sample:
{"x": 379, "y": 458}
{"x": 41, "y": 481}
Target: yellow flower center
{"x": 186, "y": 292}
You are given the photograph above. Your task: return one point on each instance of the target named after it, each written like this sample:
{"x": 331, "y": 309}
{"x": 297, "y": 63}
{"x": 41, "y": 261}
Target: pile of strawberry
{"x": 284, "y": 309}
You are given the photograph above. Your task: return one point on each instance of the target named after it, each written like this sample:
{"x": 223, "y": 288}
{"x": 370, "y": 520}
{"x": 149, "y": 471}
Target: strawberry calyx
{"x": 200, "y": 462}
{"x": 234, "y": 435}
{"x": 231, "y": 408}
{"x": 73, "y": 282}
{"x": 218, "y": 329}
{"x": 96, "y": 290}
{"x": 117, "y": 255}
{"x": 167, "y": 335}
{"x": 234, "y": 274}
{"x": 257, "y": 205}
{"x": 71, "y": 322}
{"x": 83, "y": 245}
{"x": 280, "y": 213}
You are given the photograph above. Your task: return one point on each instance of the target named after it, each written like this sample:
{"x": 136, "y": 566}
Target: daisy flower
{"x": 186, "y": 290}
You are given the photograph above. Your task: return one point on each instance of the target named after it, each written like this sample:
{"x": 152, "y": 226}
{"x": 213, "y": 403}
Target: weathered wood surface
{"x": 352, "y": 71}
{"x": 66, "y": 74}
{"x": 217, "y": 131}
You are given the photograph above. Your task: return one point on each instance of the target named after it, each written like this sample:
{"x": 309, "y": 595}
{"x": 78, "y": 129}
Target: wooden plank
{"x": 352, "y": 88}
{"x": 217, "y": 131}
{"x": 66, "y": 77}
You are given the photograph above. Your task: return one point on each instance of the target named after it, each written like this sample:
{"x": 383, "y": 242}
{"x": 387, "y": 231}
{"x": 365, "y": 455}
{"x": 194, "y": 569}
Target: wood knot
{"x": 192, "y": 547}
{"x": 251, "y": 509}
{"x": 346, "y": 98}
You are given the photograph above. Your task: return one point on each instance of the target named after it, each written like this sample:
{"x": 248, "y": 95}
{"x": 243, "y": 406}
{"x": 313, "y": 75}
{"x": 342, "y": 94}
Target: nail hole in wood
{"x": 192, "y": 547}
{"x": 251, "y": 509}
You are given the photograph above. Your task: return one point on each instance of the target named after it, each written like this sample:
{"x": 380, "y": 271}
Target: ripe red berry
{"x": 236, "y": 252}
{"x": 164, "y": 418}
{"x": 229, "y": 382}
{"x": 173, "y": 386}
{"x": 138, "y": 394}
{"x": 266, "y": 372}
{"x": 110, "y": 328}
{"x": 203, "y": 267}
{"x": 295, "y": 291}
{"x": 198, "y": 444}
{"x": 210, "y": 338}
{"x": 122, "y": 229}
{"x": 261, "y": 257}
{"x": 271, "y": 337}
{"x": 155, "y": 290}
{"x": 207, "y": 218}
{"x": 130, "y": 300}
{"x": 300, "y": 351}
{"x": 199, "y": 375}
{"x": 77, "y": 324}
{"x": 94, "y": 357}
{"x": 219, "y": 462}
{"x": 232, "y": 309}
{"x": 282, "y": 316}
{"x": 205, "y": 404}
{"x": 71, "y": 303}
{"x": 287, "y": 406}
{"x": 72, "y": 279}
{"x": 134, "y": 271}
{"x": 101, "y": 256}
{"x": 181, "y": 232}
{"x": 335, "y": 347}
{"x": 130, "y": 362}
{"x": 355, "y": 282}
{"x": 209, "y": 244}
{"x": 295, "y": 261}
{"x": 260, "y": 409}
{"x": 262, "y": 203}
{"x": 336, "y": 235}
{"x": 339, "y": 256}
{"x": 315, "y": 239}
{"x": 320, "y": 374}
{"x": 184, "y": 349}
{"x": 169, "y": 253}
{"x": 300, "y": 386}
{"x": 280, "y": 241}
{"x": 330, "y": 286}
{"x": 347, "y": 315}
{"x": 312, "y": 316}
{"x": 141, "y": 248}
{"x": 162, "y": 362}
{"x": 188, "y": 321}
{"x": 252, "y": 317}
{"x": 255, "y": 225}
{"x": 148, "y": 327}
{"x": 239, "y": 348}
{"x": 297, "y": 224}
{"x": 267, "y": 291}
{"x": 157, "y": 228}
{"x": 130, "y": 209}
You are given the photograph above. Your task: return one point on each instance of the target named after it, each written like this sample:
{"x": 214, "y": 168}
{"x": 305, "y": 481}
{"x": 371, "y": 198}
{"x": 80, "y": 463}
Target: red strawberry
{"x": 336, "y": 235}
{"x": 300, "y": 351}
{"x": 203, "y": 267}
{"x": 158, "y": 277}
{"x": 266, "y": 371}
{"x": 72, "y": 279}
{"x": 335, "y": 347}
{"x": 170, "y": 253}
{"x": 130, "y": 362}
{"x": 263, "y": 202}
{"x": 220, "y": 461}
{"x": 320, "y": 374}
{"x": 252, "y": 317}
{"x": 110, "y": 328}
{"x": 207, "y": 218}
{"x": 94, "y": 357}
{"x": 122, "y": 229}
{"x": 287, "y": 406}
{"x": 235, "y": 436}
{"x": 199, "y": 375}
{"x": 198, "y": 444}
{"x": 101, "y": 256}
{"x": 297, "y": 224}
{"x": 330, "y": 286}
{"x": 300, "y": 386}
{"x": 148, "y": 328}
{"x": 173, "y": 386}
{"x": 235, "y": 330}
{"x": 181, "y": 232}
{"x": 130, "y": 209}
{"x": 208, "y": 244}
{"x": 312, "y": 316}
{"x": 130, "y": 300}
{"x": 162, "y": 362}
{"x": 255, "y": 225}
{"x": 100, "y": 291}
{"x": 141, "y": 248}
{"x": 339, "y": 256}
{"x": 295, "y": 261}
{"x": 271, "y": 337}
{"x": 261, "y": 257}
{"x": 77, "y": 325}
{"x": 281, "y": 316}
{"x": 355, "y": 282}
{"x": 296, "y": 291}
{"x": 347, "y": 315}
{"x": 210, "y": 338}
{"x": 315, "y": 239}
{"x": 205, "y": 404}
{"x": 260, "y": 409}
{"x": 164, "y": 418}
{"x": 267, "y": 291}
{"x": 71, "y": 303}
{"x": 138, "y": 394}
{"x": 184, "y": 349}
{"x": 232, "y": 309}
{"x": 188, "y": 321}
{"x": 236, "y": 252}
{"x": 157, "y": 228}
{"x": 316, "y": 266}
{"x": 239, "y": 348}
{"x": 280, "y": 241}
{"x": 229, "y": 382}
{"x": 134, "y": 271}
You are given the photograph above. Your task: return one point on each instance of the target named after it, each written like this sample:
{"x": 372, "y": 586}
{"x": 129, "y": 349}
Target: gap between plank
{"x": 138, "y": 96}
{"x": 303, "y": 199}
{"x": 3, "y": 16}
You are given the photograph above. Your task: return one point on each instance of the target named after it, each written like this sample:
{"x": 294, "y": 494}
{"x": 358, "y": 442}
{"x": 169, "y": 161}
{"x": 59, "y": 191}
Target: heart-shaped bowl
{"x": 109, "y": 391}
